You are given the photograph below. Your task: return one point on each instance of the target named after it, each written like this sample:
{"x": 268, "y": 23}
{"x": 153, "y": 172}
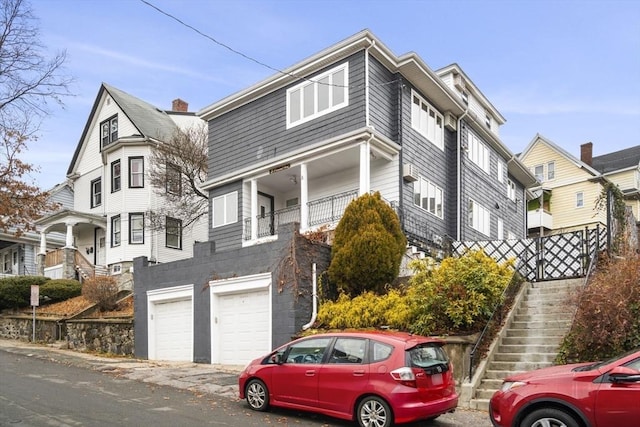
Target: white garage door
{"x": 173, "y": 330}
{"x": 244, "y": 326}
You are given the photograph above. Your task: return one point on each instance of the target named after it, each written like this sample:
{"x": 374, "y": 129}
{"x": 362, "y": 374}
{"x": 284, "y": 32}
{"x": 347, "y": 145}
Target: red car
{"x": 603, "y": 394}
{"x": 374, "y": 378}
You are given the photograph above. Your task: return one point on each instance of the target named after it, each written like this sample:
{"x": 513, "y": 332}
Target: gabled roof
{"x": 579, "y": 163}
{"x": 150, "y": 122}
{"x": 619, "y": 160}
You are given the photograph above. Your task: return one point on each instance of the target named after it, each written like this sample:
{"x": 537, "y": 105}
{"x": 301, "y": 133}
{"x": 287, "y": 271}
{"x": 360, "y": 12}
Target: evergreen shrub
{"x": 15, "y": 291}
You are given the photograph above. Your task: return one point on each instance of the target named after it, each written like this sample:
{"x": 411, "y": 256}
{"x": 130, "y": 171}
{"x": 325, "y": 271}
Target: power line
{"x": 237, "y": 52}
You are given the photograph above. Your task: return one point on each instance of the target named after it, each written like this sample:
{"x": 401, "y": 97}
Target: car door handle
{"x": 358, "y": 373}
{"x": 310, "y": 373}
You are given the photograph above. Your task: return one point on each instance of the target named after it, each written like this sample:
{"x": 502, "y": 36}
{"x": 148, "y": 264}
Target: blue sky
{"x": 569, "y": 70}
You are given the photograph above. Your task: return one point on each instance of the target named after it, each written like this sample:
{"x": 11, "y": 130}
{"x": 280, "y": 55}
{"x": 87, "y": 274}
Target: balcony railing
{"x": 327, "y": 210}
{"x": 537, "y": 218}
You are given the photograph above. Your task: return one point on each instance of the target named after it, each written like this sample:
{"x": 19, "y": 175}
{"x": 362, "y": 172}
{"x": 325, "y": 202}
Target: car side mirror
{"x": 622, "y": 374}
{"x": 277, "y": 359}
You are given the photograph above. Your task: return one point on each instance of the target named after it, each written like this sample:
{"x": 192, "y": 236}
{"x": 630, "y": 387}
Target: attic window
{"x": 109, "y": 131}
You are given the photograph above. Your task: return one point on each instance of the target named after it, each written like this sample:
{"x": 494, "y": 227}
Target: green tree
{"x": 368, "y": 246}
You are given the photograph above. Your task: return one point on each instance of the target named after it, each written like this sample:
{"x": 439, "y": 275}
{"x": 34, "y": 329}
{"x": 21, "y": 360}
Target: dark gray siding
{"x": 257, "y": 131}
{"x": 432, "y": 163}
{"x": 291, "y": 288}
{"x": 383, "y": 100}
{"x": 486, "y": 190}
{"x": 228, "y": 236}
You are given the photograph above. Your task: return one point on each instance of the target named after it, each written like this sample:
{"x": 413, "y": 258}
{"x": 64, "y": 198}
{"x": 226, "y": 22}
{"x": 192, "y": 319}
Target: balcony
{"x": 539, "y": 218}
{"x": 327, "y": 210}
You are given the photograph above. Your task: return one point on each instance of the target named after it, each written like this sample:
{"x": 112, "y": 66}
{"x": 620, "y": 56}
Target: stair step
{"x": 491, "y": 374}
{"x": 553, "y": 340}
{"x": 525, "y": 357}
{"x": 527, "y": 350}
{"x": 541, "y": 324}
{"x": 517, "y": 366}
{"x": 536, "y": 333}
{"x": 479, "y": 404}
{"x": 485, "y": 393}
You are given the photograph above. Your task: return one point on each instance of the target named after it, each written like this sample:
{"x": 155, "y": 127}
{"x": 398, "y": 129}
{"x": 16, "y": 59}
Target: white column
{"x": 365, "y": 150}
{"x": 304, "y": 198}
{"x": 43, "y": 242}
{"x": 254, "y": 209}
{"x": 69, "y": 241}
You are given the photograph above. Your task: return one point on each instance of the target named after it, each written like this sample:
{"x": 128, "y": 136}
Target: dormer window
{"x": 109, "y": 131}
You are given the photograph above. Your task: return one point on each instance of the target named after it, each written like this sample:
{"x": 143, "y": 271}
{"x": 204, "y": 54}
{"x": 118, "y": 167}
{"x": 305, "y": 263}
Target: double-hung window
{"x": 115, "y": 176}
{"x": 317, "y": 96}
{"x": 479, "y": 218}
{"x": 173, "y": 233}
{"x": 579, "y": 199}
{"x": 116, "y": 234}
{"x": 478, "y": 152}
{"x": 136, "y": 172}
{"x": 428, "y": 196}
{"x": 538, "y": 172}
{"x": 511, "y": 190}
{"x": 427, "y": 120}
{"x": 109, "y": 131}
{"x": 551, "y": 171}
{"x": 96, "y": 192}
{"x": 225, "y": 209}
{"x": 136, "y": 228}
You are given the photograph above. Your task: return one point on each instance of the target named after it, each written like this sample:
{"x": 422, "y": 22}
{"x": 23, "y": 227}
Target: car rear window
{"x": 430, "y": 357}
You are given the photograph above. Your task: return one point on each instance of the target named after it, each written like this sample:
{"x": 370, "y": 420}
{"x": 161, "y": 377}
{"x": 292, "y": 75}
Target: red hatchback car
{"x": 374, "y": 378}
{"x": 603, "y": 394}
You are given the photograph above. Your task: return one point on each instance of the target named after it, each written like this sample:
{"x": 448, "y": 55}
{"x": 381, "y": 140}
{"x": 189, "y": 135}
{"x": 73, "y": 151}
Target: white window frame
{"x": 173, "y": 230}
{"x": 337, "y": 96}
{"x": 511, "y": 190}
{"x": 501, "y": 168}
{"x": 96, "y": 192}
{"x": 224, "y": 209}
{"x": 479, "y": 153}
{"x": 500, "y": 229}
{"x": 479, "y": 218}
{"x": 551, "y": 170}
{"x": 538, "y": 172}
{"x": 580, "y": 199}
{"x": 116, "y": 231}
{"x": 434, "y": 200}
{"x": 426, "y": 120}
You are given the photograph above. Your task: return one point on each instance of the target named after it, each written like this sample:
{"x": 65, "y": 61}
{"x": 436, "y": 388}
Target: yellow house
{"x": 570, "y": 187}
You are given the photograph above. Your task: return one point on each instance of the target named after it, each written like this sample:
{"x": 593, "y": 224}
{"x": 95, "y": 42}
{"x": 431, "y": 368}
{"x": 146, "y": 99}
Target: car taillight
{"x": 405, "y": 376}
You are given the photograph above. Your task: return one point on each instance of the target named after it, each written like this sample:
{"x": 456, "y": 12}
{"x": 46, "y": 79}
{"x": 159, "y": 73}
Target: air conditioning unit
{"x": 450, "y": 122}
{"x": 458, "y": 82}
{"x": 409, "y": 172}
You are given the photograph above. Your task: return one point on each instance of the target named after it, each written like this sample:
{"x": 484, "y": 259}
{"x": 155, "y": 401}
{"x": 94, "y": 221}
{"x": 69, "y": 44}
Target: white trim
{"x": 231, "y": 286}
{"x": 175, "y": 293}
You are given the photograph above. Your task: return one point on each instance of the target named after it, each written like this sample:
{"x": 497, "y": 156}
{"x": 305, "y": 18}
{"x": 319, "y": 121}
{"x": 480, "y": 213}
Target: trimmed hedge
{"x": 15, "y": 292}
{"x": 60, "y": 289}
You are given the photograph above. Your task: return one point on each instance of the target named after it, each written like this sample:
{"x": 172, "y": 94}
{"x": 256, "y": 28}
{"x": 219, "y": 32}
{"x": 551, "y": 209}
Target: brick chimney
{"x": 179, "y": 105}
{"x": 586, "y": 153}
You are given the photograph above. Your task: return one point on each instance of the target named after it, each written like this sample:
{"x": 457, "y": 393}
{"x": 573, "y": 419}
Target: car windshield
{"x": 596, "y": 365}
{"x": 427, "y": 355}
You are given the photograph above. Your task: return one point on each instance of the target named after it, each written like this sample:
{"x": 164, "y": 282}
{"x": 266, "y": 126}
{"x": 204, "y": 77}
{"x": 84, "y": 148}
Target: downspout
{"x": 314, "y": 296}
{"x": 366, "y": 83}
{"x": 400, "y": 156}
{"x": 459, "y": 177}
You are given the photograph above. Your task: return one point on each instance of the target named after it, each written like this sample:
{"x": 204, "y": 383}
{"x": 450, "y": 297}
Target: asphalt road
{"x": 42, "y": 388}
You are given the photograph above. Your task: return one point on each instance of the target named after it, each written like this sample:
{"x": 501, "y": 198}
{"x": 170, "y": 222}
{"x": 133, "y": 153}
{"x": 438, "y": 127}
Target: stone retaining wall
{"x": 113, "y": 336}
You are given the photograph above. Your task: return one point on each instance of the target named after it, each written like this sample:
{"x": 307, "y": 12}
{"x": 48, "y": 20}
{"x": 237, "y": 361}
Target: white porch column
{"x": 254, "y": 209}
{"x": 304, "y": 197}
{"x": 365, "y": 150}
{"x": 69, "y": 241}
{"x": 43, "y": 242}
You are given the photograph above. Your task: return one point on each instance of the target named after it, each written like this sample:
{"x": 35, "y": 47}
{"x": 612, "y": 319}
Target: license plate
{"x": 436, "y": 379}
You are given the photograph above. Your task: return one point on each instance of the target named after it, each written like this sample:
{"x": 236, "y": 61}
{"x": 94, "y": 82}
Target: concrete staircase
{"x": 531, "y": 337}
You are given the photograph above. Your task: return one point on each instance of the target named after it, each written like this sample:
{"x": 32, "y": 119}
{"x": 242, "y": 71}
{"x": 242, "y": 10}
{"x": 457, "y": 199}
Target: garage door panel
{"x": 244, "y": 326}
{"x": 174, "y": 330}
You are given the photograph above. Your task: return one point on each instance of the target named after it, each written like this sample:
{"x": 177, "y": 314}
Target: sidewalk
{"x": 196, "y": 377}
{"x": 220, "y": 380}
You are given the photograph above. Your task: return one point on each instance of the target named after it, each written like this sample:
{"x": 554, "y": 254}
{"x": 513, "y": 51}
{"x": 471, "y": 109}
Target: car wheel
{"x": 374, "y": 412}
{"x": 549, "y": 417}
{"x": 257, "y": 395}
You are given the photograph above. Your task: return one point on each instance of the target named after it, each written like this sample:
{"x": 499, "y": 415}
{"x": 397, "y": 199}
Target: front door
{"x": 99, "y": 244}
{"x": 265, "y": 215}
